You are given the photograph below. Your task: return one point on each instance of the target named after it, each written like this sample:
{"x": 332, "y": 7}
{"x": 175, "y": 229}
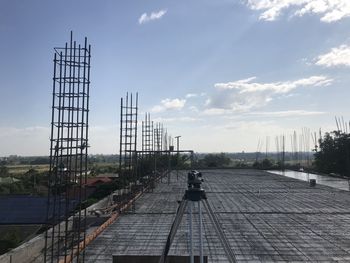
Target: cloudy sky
{"x": 221, "y": 74}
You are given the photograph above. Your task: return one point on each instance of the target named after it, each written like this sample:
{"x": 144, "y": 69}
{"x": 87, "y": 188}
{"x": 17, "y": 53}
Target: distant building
{"x": 98, "y": 181}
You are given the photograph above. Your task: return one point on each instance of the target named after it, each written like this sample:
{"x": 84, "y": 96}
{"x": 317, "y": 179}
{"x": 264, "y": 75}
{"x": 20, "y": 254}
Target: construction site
{"x": 161, "y": 211}
{"x": 265, "y": 218}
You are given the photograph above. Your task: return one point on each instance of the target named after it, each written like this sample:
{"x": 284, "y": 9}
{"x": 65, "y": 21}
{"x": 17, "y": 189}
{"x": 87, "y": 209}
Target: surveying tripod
{"x": 194, "y": 195}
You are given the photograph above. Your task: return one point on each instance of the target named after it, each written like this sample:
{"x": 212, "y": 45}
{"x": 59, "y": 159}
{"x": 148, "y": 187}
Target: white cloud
{"x": 177, "y": 119}
{"x": 191, "y": 95}
{"x": 254, "y": 127}
{"x": 339, "y": 56}
{"x": 193, "y": 108}
{"x": 194, "y": 95}
{"x": 288, "y": 113}
{"x": 144, "y": 18}
{"x": 207, "y": 102}
{"x": 329, "y": 10}
{"x": 169, "y": 104}
{"x": 246, "y": 85}
{"x": 247, "y": 94}
{"x": 215, "y": 111}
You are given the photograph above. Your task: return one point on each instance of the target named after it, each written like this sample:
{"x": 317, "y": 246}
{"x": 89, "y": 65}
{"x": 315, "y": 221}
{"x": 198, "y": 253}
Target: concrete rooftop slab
{"x": 266, "y": 218}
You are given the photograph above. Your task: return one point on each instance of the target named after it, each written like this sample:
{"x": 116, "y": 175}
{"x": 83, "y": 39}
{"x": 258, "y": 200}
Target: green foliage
{"x": 146, "y": 165}
{"x": 101, "y": 158}
{"x": 267, "y": 164}
{"x": 334, "y": 154}
{"x": 104, "y": 189}
{"x": 4, "y": 189}
{"x": 10, "y": 239}
{"x": 4, "y": 171}
{"x": 40, "y": 160}
{"x": 31, "y": 182}
{"x": 102, "y": 168}
{"x": 90, "y": 201}
{"x": 215, "y": 160}
{"x": 264, "y": 164}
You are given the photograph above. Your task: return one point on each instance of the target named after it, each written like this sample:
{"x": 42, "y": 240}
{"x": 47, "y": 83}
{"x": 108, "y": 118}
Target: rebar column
{"x": 128, "y": 140}
{"x": 66, "y": 212}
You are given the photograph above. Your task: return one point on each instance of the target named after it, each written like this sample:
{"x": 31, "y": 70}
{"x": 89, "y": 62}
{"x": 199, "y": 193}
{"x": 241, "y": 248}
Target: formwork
{"x": 265, "y": 217}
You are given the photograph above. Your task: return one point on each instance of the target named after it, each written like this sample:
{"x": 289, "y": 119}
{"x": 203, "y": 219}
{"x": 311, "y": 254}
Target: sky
{"x": 223, "y": 74}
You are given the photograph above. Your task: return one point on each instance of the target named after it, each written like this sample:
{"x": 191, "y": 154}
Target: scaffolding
{"x": 66, "y": 212}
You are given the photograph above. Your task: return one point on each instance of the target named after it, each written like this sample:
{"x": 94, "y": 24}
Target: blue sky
{"x": 221, "y": 74}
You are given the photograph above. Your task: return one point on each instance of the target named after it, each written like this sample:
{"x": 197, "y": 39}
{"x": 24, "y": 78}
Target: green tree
{"x": 10, "y": 239}
{"x": 334, "y": 154}
{"x": 31, "y": 179}
{"x": 4, "y": 171}
{"x": 267, "y": 164}
{"x": 216, "y": 160}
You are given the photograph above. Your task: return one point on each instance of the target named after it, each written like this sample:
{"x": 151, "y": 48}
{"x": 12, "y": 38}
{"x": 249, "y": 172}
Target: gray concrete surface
{"x": 266, "y": 218}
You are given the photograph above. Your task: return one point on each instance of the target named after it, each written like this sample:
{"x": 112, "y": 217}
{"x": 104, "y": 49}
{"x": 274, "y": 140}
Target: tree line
{"x": 333, "y": 155}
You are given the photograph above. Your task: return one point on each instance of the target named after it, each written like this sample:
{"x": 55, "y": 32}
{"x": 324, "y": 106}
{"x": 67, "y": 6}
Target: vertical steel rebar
{"x": 121, "y": 142}
{"x": 128, "y": 141}
{"x": 66, "y": 213}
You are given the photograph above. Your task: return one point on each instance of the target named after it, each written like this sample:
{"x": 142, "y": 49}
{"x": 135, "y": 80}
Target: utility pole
{"x": 177, "y": 155}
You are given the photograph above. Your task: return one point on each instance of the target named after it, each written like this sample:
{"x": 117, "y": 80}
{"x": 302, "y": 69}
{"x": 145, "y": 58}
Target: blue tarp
{"x": 24, "y": 209}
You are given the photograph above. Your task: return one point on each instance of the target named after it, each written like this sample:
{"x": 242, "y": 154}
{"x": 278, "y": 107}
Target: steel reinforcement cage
{"x": 66, "y": 211}
{"x": 128, "y": 140}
